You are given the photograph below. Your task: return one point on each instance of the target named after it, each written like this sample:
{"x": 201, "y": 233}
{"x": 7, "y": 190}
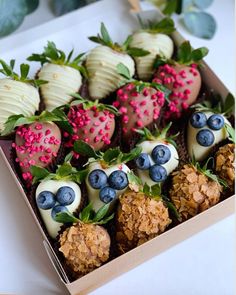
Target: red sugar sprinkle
{"x": 91, "y": 130}
{"x": 116, "y": 104}
{"x": 143, "y": 103}
{"x": 47, "y": 132}
{"x": 125, "y": 119}
{"x": 96, "y": 139}
{"x": 145, "y": 92}
{"x": 38, "y": 126}
{"x": 101, "y": 132}
{"x": 123, "y": 110}
{"x": 139, "y": 123}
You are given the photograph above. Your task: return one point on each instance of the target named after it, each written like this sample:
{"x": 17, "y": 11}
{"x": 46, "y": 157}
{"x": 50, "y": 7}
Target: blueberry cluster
{"x": 205, "y": 137}
{"x": 160, "y": 155}
{"x": 117, "y": 180}
{"x": 47, "y": 200}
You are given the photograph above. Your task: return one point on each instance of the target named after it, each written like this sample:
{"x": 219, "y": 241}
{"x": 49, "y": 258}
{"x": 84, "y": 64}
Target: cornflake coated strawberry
{"x": 194, "y": 189}
{"x": 37, "y": 139}
{"x": 102, "y": 61}
{"x": 62, "y": 73}
{"x": 139, "y": 103}
{"x": 182, "y": 77}
{"x": 18, "y": 93}
{"x": 154, "y": 38}
{"x": 85, "y": 244}
{"x": 92, "y": 122}
{"x": 142, "y": 215}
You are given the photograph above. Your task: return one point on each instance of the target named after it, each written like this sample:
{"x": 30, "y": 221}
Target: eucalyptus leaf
{"x": 200, "y": 24}
{"x": 12, "y": 13}
{"x": 32, "y": 5}
{"x": 202, "y": 4}
{"x": 61, "y": 7}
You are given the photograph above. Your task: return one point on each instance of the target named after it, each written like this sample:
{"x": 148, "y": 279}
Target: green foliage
{"x": 8, "y": 71}
{"x": 195, "y": 20}
{"x": 186, "y": 55}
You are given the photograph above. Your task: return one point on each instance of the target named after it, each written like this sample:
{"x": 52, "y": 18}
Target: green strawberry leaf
{"x": 229, "y": 104}
{"x": 165, "y": 26}
{"x": 105, "y": 35}
{"x": 134, "y": 153}
{"x": 134, "y": 180}
{"x": 69, "y": 157}
{"x": 38, "y": 173}
{"x": 171, "y": 207}
{"x": 102, "y": 212}
{"x": 106, "y": 219}
{"x": 137, "y": 52}
{"x": 10, "y": 124}
{"x": 111, "y": 155}
{"x": 199, "y": 53}
{"x": 66, "y": 217}
{"x": 24, "y": 70}
{"x": 231, "y": 132}
{"x": 87, "y": 214}
{"x": 184, "y": 52}
{"x": 127, "y": 42}
{"x": 123, "y": 71}
{"x": 64, "y": 170}
{"x": 85, "y": 149}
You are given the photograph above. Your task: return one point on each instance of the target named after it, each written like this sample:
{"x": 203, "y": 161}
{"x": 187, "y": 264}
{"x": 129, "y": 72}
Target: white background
{"x": 202, "y": 265}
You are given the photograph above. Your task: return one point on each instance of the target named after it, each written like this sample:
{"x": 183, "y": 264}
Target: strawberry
{"x": 108, "y": 175}
{"x": 62, "y": 73}
{"x": 159, "y": 155}
{"x": 207, "y": 127}
{"x": 37, "y": 139}
{"x": 154, "y": 38}
{"x": 139, "y": 103}
{"x": 101, "y": 63}
{"x": 92, "y": 122}
{"x": 18, "y": 93}
{"x": 181, "y": 77}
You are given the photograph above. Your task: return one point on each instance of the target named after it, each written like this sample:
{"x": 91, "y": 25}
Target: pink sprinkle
{"x": 96, "y": 123}
{"x": 123, "y": 110}
{"x": 187, "y": 91}
{"x": 32, "y": 162}
{"x": 189, "y": 82}
{"x": 54, "y": 154}
{"x": 184, "y": 105}
{"x": 66, "y": 134}
{"x": 145, "y": 92}
{"x": 146, "y": 113}
{"x": 143, "y": 103}
{"x": 48, "y": 150}
{"x": 17, "y": 160}
{"x": 125, "y": 119}
{"x": 120, "y": 92}
{"x": 116, "y": 104}
{"x": 139, "y": 123}
{"x": 125, "y": 130}
{"x": 13, "y": 145}
{"x": 96, "y": 139}
{"x": 101, "y": 132}
{"x": 47, "y": 132}
{"x": 38, "y": 126}
{"x": 91, "y": 130}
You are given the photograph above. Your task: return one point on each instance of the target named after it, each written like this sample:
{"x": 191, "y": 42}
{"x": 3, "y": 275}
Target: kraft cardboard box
{"x": 157, "y": 245}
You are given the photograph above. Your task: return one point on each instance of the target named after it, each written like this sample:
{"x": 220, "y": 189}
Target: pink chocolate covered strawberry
{"x": 92, "y": 122}
{"x": 138, "y": 102}
{"x": 37, "y": 139}
{"x": 181, "y": 77}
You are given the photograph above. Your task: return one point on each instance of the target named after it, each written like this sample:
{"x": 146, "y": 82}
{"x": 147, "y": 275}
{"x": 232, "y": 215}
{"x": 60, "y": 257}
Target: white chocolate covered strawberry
{"x": 61, "y": 72}
{"x": 18, "y": 93}
{"x": 181, "y": 77}
{"x": 153, "y": 38}
{"x": 102, "y": 61}
{"x": 107, "y": 177}
{"x": 206, "y": 128}
{"x": 158, "y": 158}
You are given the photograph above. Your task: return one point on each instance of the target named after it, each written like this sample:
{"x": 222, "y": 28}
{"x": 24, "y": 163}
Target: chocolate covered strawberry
{"x": 37, "y": 140}
{"x": 18, "y": 93}
{"x": 61, "y": 72}
{"x": 138, "y": 102}
{"x": 207, "y": 127}
{"x": 154, "y": 38}
{"x": 101, "y": 63}
{"x": 92, "y": 122}
{"x": 181, "y": 77}
{"x": 159, "y": 156}
{"x": 108, "y": 173}
{"x": 85, "y": 244}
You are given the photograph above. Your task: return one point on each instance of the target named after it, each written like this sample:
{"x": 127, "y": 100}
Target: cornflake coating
{"x": 225, "y": 169}
{"x": 139, "y": 219}
{"x": 85, "y": 247}
{"x": 192, "y": 192}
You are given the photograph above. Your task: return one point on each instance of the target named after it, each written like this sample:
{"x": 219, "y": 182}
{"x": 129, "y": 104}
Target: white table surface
{"x": 201, "y": 265}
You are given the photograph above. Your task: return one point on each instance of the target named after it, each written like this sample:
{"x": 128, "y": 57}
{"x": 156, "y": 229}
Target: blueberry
{"x": 198, "y": 120}
{"x": 65, "y": 195}
{"x": 58, "y": 209}
{"x": 143, "y": 162}
{"x": 107, "y": 194}
{"x": 46, "y": 200}
{"x": 205, "y": 137}
{"x": 118, "y": 180}
{"x": 97, "y": 178}
{"x": 216, "y": 122}
{"x": 161, "y": 154}
{"x": 158, "y": 173}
